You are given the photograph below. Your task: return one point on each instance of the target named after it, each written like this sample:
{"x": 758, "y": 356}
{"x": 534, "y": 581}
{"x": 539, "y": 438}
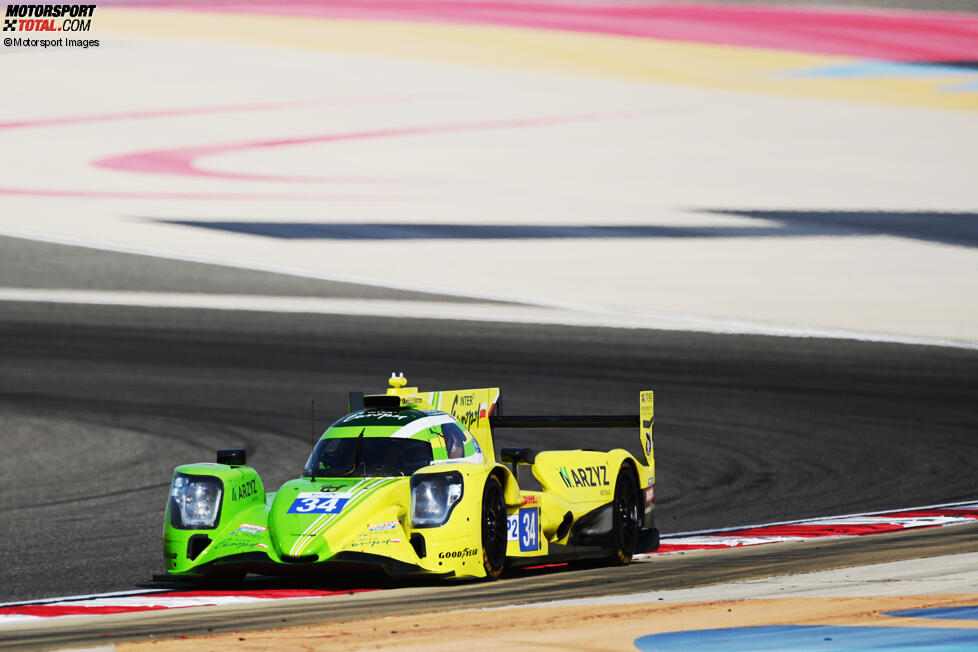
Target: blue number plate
{"x": 529, "y": 528}
{"x": 319, "y": 502}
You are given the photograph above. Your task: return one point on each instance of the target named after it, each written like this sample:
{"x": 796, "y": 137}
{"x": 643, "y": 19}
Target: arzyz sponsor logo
{"x": 587, "y": 476}
{"x": 245, "y": 490}
{"x": 458, "y": 554}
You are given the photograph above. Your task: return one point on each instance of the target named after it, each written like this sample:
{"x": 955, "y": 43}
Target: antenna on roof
{"x": 397, "y": 380}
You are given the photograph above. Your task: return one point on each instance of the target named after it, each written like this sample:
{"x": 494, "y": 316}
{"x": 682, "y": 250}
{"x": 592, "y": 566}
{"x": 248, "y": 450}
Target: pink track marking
{"x": 906, "y": 36}
{"x": 962, "y": 513}
{"x": 81, "y": 609}
{"x": 204, "y": 196}
{"x": 265, "y": 594}
{"x": 53, "y": 611}
{"x": 182, "y": 161}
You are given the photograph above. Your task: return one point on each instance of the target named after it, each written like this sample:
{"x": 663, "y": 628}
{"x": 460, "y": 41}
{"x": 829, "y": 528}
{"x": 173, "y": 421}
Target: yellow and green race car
{"x": 408, "y": 482}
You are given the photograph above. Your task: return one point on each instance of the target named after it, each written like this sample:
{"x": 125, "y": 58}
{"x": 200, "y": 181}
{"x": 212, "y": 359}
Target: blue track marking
{"x": 817, "y": 637}
{"x": 952, "y": 613}
{"x": 959, "y": 229}
{"x": 884, "y": 69}
{"x": 376, "y": 231}
{"x": 896, "y": 70}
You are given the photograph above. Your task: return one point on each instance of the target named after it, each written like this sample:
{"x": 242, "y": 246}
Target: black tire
{"x": 626, "y": 516}
{"x": 493, "y": 528}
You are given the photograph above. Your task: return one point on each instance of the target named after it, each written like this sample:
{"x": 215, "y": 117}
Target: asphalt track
{"x": 97, "y": 404}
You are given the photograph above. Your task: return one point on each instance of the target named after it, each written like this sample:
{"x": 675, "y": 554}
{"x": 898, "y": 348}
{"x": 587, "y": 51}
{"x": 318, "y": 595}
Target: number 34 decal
{"x": 524, "y": 527}
{"x": 319, "y": 502}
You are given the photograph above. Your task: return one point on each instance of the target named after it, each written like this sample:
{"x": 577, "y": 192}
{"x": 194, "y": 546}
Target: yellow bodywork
{"x": 573, "y": 481}
{"x": 376, "y": 518}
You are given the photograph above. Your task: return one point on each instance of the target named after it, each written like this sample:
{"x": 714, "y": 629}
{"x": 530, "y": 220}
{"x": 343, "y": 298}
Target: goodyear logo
{"x": 457, "y": 554}
{"x": 588, "y": 476}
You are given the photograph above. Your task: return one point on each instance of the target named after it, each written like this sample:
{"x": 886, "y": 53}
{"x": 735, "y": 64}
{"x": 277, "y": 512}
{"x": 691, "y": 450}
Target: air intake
{"x": 381, "y": 402}
{"x": 196, "y": 545}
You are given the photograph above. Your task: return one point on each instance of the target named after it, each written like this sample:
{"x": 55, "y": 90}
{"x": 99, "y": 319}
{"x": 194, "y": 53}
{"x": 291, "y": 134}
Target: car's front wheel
{"x": 493, "y": 528}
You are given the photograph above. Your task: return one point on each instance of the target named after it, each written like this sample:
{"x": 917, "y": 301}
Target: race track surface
{"x": 662, "y": 574}
{"x": 98, "y": 404}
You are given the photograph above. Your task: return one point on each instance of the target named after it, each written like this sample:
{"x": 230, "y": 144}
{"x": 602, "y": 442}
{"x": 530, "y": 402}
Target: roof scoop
{"x": 381, "y": 402}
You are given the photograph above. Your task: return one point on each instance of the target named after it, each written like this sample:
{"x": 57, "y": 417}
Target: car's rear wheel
{"x": 625, "y": 516}
{"x": 493, "y": 528}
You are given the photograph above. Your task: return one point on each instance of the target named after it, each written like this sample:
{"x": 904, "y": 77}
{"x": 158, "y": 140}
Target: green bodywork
{"x": 255, "y": 527}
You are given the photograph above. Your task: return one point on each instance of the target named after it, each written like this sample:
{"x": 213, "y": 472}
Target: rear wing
{"x": 480, "y": 411}
{"x": 645, "y": 419}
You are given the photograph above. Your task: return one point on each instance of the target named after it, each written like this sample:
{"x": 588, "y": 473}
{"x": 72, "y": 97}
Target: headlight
{"x": 433, "y": 497}
{"x": 195, "y": 501}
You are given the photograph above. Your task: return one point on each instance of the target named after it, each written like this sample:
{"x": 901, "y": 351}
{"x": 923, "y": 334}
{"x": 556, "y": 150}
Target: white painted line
{"x": 482, "y": 312}
{"x": 10, "y": 619}
{"x": 164, "y": 601}
{"x": 960, "y": 505}
{"x": 728, "y": 542}
{"x": 912, "y": 522}
{"x": 90, "y": 596}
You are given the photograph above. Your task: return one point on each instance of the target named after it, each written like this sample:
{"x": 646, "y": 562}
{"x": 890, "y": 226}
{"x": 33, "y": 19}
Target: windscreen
{"x": 363, "y": 457}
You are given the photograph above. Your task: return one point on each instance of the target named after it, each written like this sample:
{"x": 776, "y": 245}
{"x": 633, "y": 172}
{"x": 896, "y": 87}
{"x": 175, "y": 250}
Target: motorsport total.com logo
{"x": 48, "y": 18}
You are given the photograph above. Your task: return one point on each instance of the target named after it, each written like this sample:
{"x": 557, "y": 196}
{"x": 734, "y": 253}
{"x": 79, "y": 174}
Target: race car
{"x": 408, "y": 482}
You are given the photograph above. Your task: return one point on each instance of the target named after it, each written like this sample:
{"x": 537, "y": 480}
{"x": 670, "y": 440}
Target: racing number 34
{"x": 524, "y": 527}
{"x": 317, "y": 503}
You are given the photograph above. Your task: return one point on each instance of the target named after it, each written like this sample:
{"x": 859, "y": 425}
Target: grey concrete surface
{"x": 34, "y": 264}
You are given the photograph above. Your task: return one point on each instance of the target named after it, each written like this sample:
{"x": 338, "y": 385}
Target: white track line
{"x": 90, "y": 596}
{"x": 481, "y": 312}
{"x": 583, "y": 314}
{"x": 967, "y": 504}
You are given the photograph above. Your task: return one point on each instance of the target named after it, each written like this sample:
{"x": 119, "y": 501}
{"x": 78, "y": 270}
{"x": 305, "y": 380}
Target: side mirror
{"x": 517, "y": 456}
{"x": 231, "y": 456}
